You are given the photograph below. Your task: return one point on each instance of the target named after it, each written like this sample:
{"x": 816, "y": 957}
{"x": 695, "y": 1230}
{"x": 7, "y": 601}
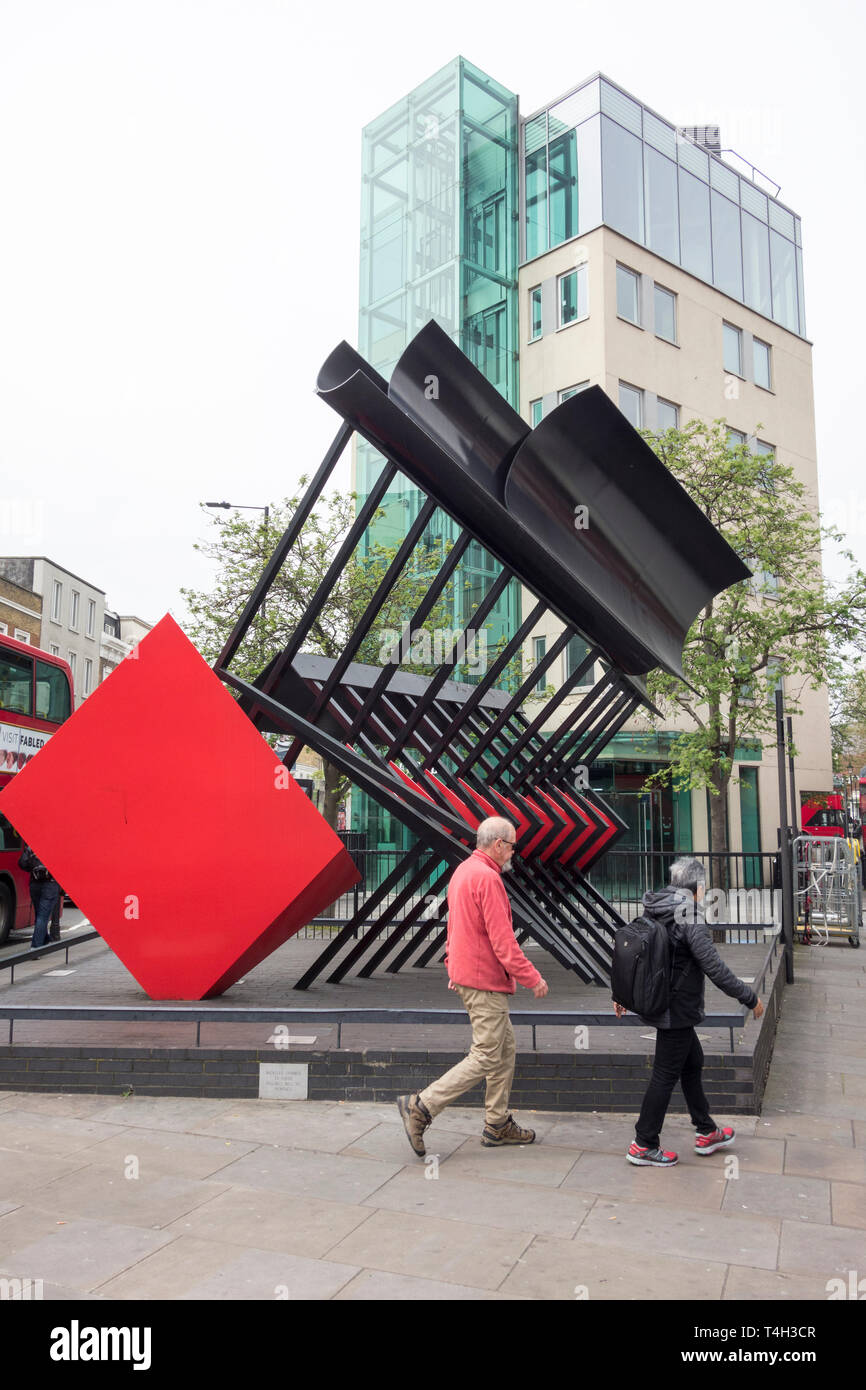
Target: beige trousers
{"x": 491, "y": 1057}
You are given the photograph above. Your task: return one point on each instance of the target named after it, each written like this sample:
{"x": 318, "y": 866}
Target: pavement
{"x": 144, "y": 1199}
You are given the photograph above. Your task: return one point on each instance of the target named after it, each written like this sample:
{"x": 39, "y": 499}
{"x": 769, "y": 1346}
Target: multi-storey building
{"x": 647, "y": 264}
{"x": 67, "y": 616}
{"x": 20, "y": 612}
{"x": 72, "y": 611}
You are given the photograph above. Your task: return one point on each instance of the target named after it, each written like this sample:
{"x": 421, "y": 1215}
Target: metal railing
{"x": 212, "y": 1013}
{"x": 50, "y": 948}
{"x": 622, "y": 877}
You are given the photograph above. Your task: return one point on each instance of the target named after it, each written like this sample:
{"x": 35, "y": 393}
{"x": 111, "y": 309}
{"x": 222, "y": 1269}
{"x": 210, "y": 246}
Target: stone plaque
{"x": 283, "y": 1080}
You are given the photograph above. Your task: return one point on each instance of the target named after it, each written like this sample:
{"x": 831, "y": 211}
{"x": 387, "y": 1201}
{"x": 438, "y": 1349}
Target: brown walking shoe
{"x": 506, "y": 1133}
{"x": 416, "y": 1118}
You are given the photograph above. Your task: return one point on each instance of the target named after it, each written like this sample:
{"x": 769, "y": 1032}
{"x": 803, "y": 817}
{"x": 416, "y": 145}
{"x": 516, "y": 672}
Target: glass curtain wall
{"x": 598, "y": 156}
{"x": 439, "y": 240}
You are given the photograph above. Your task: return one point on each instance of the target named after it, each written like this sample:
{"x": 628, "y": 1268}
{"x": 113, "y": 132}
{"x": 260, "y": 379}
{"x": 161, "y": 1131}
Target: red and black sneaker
{"x": 719, "y": 1139}
{"x": 650, "y": 1158}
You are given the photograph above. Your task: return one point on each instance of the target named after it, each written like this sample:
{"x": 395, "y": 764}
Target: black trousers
{"x": 678, "y": 1057}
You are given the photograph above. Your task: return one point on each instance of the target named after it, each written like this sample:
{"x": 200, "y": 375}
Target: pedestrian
{"x": 44, "y": 894}
{"x": 678, "y": 1054}
{"x": 483, "y": 961}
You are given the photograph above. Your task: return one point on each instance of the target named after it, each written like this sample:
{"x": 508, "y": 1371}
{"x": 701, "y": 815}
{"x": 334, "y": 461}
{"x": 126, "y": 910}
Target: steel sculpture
{"x": 441, "y": 756}
{"x": 143, "y": 833}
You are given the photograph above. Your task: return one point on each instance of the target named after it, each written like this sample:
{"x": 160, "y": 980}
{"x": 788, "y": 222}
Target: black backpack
{"x": 640, "y": 975}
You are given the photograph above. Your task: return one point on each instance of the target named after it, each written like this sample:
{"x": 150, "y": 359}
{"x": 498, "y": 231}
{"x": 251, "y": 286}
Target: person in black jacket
{"x": 679, "y": 1055}
{"x": 44, "y": 894}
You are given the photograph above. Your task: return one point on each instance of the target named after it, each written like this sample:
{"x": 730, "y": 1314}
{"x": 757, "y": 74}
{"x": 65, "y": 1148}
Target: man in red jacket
{"x": 483, "y": 960}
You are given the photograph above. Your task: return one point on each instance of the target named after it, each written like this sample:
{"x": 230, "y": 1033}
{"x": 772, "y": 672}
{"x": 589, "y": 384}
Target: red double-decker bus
{"x": 35, "y": 698}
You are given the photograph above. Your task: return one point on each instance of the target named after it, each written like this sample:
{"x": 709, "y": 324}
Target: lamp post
{"x": 241, "y": 507}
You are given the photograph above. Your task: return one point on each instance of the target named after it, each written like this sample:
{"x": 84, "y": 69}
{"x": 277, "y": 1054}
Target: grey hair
{"x": 494, "y": 828}
{"x": 688, "y": 873}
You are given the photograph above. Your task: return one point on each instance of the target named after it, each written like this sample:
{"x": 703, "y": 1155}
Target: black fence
{"x": 742, "y": 885}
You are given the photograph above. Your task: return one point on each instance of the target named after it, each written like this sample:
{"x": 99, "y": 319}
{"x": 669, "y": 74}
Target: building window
{"x": 665, "y": 314}
{"x": 573, "y": 298}
{"x": 535, "y": 313}
{"x": 627, "y": 295}
{"x": 631, "y": 404}
{"x": 57, "y": 600}
{"x": 735, "y": 439}
{"x": 539, "y": 646}
{"x": 91, "y": 616}
{"x": 73, "y": 662}
{"x": 536, "y": 411}
{"x": 4, "y": 628}
{"x": 54, "y": 649}
{"x": 732, "y": 349}
{"x": 761, "y": 356}
{"x": 73, "y": 609}
{"x": 572, "y": 391}
{"x": 88, "y": 675}
{"x": 668, "y": 415}
{"x": 486, "y": 233}
{"x": 22, "y": 636}
{"x": 575, "y": 655}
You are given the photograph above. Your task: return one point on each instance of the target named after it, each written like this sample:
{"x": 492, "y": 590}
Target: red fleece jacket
{"x": 482, "y": 949}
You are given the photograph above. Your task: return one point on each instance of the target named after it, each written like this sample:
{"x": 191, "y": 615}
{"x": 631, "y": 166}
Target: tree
{"x": 848, "y": 714}
{"x": 240, "y": 548}
{"x": 783, "y": 623}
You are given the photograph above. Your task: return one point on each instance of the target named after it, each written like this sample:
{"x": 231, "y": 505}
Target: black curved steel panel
{"x": 648, "y": 556}
{"x": 460, "y": 409}
{"x": 633, "y": 582}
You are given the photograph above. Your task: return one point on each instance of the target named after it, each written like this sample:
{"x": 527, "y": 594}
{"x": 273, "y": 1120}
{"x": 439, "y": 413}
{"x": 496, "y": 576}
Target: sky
{"x": 180, "y": 184}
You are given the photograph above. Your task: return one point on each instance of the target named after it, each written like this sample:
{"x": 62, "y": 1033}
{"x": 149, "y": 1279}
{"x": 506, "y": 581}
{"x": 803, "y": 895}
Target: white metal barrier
{"x": 827, "y": 888}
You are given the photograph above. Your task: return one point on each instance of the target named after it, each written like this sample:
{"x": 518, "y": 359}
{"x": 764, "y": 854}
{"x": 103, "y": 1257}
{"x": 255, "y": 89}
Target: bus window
{"x": 16, "y": 683}
{"x": 9, "y": 837}
{"x": 52, "y": 693}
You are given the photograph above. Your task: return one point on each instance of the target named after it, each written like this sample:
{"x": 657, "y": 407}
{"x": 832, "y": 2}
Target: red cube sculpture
{"x": 170, "y": 822}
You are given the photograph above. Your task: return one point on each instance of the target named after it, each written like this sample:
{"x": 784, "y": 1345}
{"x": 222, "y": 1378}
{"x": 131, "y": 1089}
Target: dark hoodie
{"x": 693, "y": 956}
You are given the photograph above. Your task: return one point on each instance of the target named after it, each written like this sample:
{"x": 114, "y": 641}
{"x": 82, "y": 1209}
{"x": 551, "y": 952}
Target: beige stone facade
{"x": 605, "y": 349}
{"x": 20, "y": 612}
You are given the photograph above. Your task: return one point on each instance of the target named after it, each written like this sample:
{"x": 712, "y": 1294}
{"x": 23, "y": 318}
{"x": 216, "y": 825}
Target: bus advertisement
{"x": 35, "y": 699}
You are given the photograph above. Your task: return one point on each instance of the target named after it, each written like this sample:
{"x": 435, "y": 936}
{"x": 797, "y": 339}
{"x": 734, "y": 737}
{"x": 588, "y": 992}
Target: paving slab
{"x": 785, "y": 1125}
{"x": 638, "y": 1227}
{"x": 83, "y": 1254}
{"x": 105, "y": 1194}
{"x": 536, "y": 1164}
{"x": 831, "y": 1250}
{"x": 758, "y": 1285}
{"x": 24, "y": 1226}
{"x": 326, "y": 1132}
{"x": 157, "y": 1112}
{"x": 57, "y": 1135}
{"x": 576, "y": 1270}
{"x": 293, "y": 1225}
{"x": 848, "y": 1201}
{"x": 825, "y": 1161}
{"x": 170, "y": 1271}
{"x": 610, "y": 1134}
{"x": 331, "y": 1177}
{"x": 389, "y": 1141}
{"x": 81, "y": 1107}
{"x": 503, "y": 1206}
{"x": 687, "y": 1186}
{"x": 375, "y": 1285}
{"x": 432, "y": 1248}
{"x": 267, "y": 1275}
{"x": 772, "y": 1194}
{"x": 21, "y": 1177}
{"x": 159, "y": 1151}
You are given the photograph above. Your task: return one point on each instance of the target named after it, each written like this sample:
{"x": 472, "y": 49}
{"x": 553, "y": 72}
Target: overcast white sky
{"x": 179, "y": 223}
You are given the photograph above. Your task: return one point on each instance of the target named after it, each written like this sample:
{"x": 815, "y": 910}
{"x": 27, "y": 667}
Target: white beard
{"x": 506, "y": 868}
